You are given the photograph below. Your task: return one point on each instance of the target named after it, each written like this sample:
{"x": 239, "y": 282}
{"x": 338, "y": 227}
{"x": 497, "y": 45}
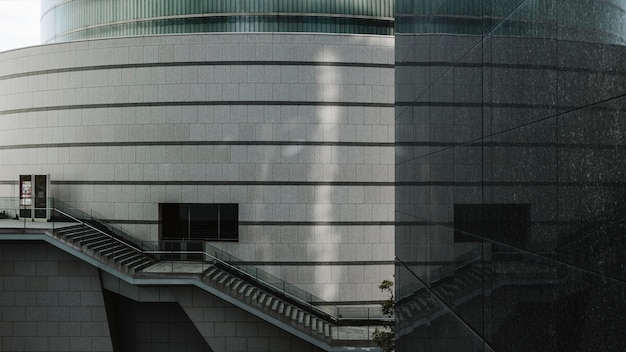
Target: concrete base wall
{"x": 50, "y": 301}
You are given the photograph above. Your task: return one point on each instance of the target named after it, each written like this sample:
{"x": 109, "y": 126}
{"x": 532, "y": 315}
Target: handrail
{"x": 98, "y": 219}
{"x": 259, "y": 272}
{"x": 126, "y": 242}
{"x": 256, "y": 278}
{"x": 306, "y": 304}
{"x": 97, "y": 229}
{"x": 330, "y": 316}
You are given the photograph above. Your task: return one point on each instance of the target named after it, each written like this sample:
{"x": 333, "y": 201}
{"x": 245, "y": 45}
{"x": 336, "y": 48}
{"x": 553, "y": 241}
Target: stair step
{"x": 96, "y": 241}
{"x": 327, "y": 331}
{"x": 236, "y": 284}
{"x": 211, "y": 271}
{"x": 143, "y": 263}
{"x": 217, "y": 275}
{"x": 112, "y": 250}
{"x": 281, "y": 308}
{"x": 104, "y": 245}
{"x": 319, "y": 326}
{"x": 122, "y": 260}
{"x": 83, "y": 237}
{"x": 313, "y": 323}
{"x": 250, "y": 291}
{"x": 294, "y": 314}
{"x": 127, "y": 252}
{"x": 300, "y": 317}
{"x": 77, "y": 225}
{"x": 81, "y": 232}
{"x": 70, "y": 230}
{"x": 231, "y": 282}
{"x": 132, "y": 259}
{"x": 243, "y": 288}
{"x": 224, "y": 278}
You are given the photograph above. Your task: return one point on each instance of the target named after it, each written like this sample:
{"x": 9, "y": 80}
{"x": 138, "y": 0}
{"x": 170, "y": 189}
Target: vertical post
{"x": 369, "y": 322}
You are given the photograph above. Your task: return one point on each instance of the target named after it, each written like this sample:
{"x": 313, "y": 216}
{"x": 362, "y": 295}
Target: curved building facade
{"x": 295, "y": 129}
{"x": 88, "y": 19}
{"x": 274, "y": 146}
{"x": 509, "y": 164}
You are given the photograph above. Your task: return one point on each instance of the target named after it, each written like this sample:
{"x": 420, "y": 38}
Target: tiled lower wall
{"x": 50, "y": 301}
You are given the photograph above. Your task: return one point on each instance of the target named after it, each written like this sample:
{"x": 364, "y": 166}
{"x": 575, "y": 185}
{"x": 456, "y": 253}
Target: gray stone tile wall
{"x": 50, "y": 301}
{"x": 299, "y": 132}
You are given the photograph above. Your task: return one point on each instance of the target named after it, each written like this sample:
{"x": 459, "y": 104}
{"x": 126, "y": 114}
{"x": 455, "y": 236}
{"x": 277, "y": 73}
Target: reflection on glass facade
{"x": 510, "y": 170}
{"x": 87, "y": 19}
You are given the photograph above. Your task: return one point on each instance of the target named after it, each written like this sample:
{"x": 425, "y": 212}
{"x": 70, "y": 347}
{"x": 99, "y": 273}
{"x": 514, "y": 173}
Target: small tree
{"x": 384, "y": 338}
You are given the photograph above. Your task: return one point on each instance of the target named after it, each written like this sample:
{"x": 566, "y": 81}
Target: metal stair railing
{"x": 98, "y": 222}
{"x": 60, "y": 211}
{"x": 274, "y": 283}
{"x": 245, "y": 271}
{"x": 76, "y": 230}
{"x": 87, "y": 224}
{"x": 312, "y": 307}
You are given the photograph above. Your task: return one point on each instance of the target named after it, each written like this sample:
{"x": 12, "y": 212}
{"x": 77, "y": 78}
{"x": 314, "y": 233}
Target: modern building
{"x": 252, "y": 142}
{"x": 510, "y": 168}
{"x": 258, "y": 136}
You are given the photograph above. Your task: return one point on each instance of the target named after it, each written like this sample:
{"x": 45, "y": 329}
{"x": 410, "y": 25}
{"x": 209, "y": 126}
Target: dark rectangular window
{"x": 505, "y": 223}
{"x": 213, "y": 222}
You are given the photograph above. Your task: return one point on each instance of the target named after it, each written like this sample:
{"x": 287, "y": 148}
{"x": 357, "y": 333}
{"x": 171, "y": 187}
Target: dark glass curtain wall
{"x": 510, "y": 166}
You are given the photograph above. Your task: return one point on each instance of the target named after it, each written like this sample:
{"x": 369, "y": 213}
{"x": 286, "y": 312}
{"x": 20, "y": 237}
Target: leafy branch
{"x": 384, "y": 338}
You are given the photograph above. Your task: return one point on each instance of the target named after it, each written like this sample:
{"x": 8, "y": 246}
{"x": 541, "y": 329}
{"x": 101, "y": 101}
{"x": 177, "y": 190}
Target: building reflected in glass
{"x": 510, "y": 166}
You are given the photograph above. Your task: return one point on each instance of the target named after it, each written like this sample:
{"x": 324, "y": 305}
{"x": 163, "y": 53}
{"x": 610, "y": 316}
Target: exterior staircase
{"x": 114, "y": 251}
{"x": 317, "y": 321}
{"x": 309, "y": 319}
